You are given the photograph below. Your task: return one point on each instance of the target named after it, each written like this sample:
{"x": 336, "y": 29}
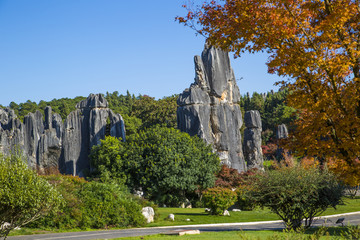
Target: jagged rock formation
{"x": 84, "y": 128}
{"x": 282, "y": 132}
{"x": 252, "y": 140}
{"x": 51, "y": 143}
{"x": 210, "y": 109}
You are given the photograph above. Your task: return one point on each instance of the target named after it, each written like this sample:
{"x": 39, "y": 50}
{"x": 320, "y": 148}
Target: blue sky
{"x": 67, "y": 48}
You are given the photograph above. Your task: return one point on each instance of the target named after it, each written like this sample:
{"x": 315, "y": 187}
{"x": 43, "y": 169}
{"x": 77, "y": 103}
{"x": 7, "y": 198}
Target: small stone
{"x": 226, "y": 213}
{"x": 148, "y": 213}
{"x": 171, "y": 217}
{"x": 236, "y": 210}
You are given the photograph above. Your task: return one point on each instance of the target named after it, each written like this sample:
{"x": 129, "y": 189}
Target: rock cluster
{"x": 48, "y": 142}
{"x": 210, "y": 109}
{"x": 252, "y": 140}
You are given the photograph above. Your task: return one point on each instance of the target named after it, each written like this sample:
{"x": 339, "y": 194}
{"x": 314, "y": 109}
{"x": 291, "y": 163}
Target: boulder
{"x": 226, "y": 213}
{"x": 210, "y": 109}
{"x": 148, "y": 213}
{"x": 171, "y": 217}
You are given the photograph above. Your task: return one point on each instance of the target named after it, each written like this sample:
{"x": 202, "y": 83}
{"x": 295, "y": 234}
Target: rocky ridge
{"x": 46, "y": 142}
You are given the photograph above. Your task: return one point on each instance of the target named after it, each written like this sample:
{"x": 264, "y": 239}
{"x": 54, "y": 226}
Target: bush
{"x": 24, "y": 197}
{"x": 295, "y": 193}
{"x": 228, "y": 178}
{"x": 218, "y": 199}
{"x": 106, "y": 205}
{"x": 245, "y": 200}
{"x": 92, "y": 205}
{"x": 232, "y": 179}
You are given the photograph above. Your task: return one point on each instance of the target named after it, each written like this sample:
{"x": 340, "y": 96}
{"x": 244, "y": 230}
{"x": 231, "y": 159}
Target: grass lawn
{"x": 332, "y": 233}
{"x": 198, "y": 216}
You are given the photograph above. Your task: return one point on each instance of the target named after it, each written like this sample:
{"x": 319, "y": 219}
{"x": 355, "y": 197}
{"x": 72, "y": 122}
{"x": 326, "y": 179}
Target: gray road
{"x": 350, "y": 218}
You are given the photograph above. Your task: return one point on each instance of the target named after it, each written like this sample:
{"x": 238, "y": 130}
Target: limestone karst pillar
{"x": 252, "y": 140}
{"x": 210, "y": 109}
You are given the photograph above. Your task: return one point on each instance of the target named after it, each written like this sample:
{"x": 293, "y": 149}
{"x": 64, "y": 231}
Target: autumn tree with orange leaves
{"x": 315, "y": 45}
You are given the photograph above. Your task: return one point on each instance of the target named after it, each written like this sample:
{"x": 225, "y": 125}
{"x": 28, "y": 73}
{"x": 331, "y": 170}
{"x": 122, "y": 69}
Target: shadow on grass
{"x": 194, "y": 214}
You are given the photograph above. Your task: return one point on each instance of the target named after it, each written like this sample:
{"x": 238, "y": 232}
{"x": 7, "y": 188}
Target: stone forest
{"x": 224, "y": 156}
{"x": 208, "y": 108}
{"x": 121, "y": 161}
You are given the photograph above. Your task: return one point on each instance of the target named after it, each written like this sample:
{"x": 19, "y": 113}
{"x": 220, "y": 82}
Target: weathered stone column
{"x": 252, "y": 140}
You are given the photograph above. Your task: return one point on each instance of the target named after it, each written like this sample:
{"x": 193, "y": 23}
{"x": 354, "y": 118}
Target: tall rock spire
{"x": 210, "y": 109}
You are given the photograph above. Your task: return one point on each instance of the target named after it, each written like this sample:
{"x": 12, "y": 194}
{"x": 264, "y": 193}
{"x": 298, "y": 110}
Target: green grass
{"x": 332, "y": 233}
{"x": 199, "y": 216}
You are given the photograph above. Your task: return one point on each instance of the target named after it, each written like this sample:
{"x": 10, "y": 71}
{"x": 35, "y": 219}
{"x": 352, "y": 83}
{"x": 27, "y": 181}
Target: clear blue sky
{"x": 66, "y": 48}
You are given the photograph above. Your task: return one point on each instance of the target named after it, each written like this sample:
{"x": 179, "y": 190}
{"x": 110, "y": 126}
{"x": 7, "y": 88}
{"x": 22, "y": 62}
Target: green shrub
{"x": 24, "y": 197}
{"x": 218, "y": 199}
{"x": 92, "y": 205}
{"x": 107, "y": 205}
{"x": 245, "y": 200}
{"x": 295, "y": 193}
{"x": 352, "y": 232}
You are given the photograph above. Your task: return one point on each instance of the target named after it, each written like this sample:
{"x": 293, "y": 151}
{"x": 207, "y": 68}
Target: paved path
{"x": 350, "y": 218}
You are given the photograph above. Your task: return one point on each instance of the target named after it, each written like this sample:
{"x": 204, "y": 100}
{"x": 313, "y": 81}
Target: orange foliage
{"x": 350, "y": 175}
{"x": 309, "y": 162}
{"x": 315, "y": 45}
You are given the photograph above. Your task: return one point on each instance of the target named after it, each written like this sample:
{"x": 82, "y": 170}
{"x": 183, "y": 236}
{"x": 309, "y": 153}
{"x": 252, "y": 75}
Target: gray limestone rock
{"x": 252, "y": 140}
{"x": 31, "y": 138}
{"x": 48, "y": 118}
{"x": 252, "y": 119}
{"x": 210, "y": 109}
{"x": 93, "y": 101}
{"x": 57, "y": 124}
{"x": 49, "y": 143}
{"x": 49, "y": 151}
{"x": 282, "y": 132}
{"x": 84, "y": 128}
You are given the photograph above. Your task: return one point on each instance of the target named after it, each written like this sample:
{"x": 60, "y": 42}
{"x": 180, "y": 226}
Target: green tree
{"x": 107, "y": 159}
{"x": 24, "y": 197}
{"x": 168, "y": 165}
{"x": 120, "y": 103}
{"x": 295, "y": 193}
{"x": 156, "y": 112}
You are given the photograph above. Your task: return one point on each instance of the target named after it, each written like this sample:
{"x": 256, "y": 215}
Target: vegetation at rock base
{"x": 315, "y": 46}
{"x": 91, "y": 205}
{"x": 169, "y": 166}
{"x": 24, "y": 197}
